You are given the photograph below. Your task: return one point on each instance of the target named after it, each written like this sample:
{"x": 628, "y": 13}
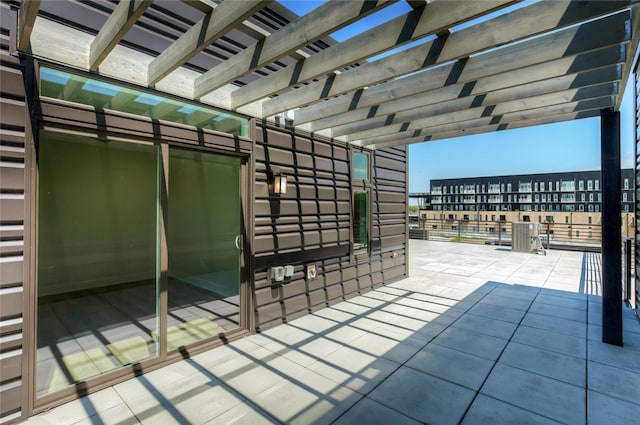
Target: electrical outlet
{"x": 311, "y": 272}
{"x": 288, "y": 271}
{"x": 277, "y": 274}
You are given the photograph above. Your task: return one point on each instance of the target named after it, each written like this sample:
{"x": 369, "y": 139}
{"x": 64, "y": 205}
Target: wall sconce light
{"x": 277, "y": 182}
{"x": 280, "y": 184}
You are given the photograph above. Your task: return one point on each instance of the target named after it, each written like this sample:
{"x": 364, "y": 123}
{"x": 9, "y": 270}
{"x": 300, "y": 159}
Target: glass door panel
{"x": 98, "y": 274}
{"x": 204, "y": 246}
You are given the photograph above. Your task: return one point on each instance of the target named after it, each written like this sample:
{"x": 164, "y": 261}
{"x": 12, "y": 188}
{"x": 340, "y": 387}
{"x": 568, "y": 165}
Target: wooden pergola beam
{"x": 476, "y": 117}
{"x": 225, "y": 17}
{"x": 26, "y": 20}
{"x": 452, "y": 111}
{"x": 548, "y": 119}
{"x": 318, "y": 23}
{"x": 569, "y": 88}
{"x": 123, "y": 17}
{"x": 502, "y": 87}
{"x": 547, "y": 56}
{"x": 430, "y": 19}
{"x": 504, "y": 29}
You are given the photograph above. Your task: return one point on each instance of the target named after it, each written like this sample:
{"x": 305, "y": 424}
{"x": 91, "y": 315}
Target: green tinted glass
{"x": 75, "y": 88}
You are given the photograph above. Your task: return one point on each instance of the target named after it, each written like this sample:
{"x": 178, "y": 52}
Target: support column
{"x": 611, "y": 232}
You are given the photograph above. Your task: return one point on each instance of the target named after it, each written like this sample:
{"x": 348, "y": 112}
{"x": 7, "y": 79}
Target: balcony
{"x": 411, "y": 351}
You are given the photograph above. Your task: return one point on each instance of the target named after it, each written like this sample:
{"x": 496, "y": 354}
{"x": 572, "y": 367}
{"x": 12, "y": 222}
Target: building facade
{"x": 578, "y": 191}
{"x": 140, "y": 227}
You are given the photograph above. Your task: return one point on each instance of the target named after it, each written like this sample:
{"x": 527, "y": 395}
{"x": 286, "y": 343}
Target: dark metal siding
{"x": 636, "y": 91}
{"x": 311, "y": 224}
{"x": 12, "y": 220}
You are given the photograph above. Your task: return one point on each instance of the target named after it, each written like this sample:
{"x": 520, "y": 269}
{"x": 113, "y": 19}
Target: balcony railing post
{"x": 499, "y": 233}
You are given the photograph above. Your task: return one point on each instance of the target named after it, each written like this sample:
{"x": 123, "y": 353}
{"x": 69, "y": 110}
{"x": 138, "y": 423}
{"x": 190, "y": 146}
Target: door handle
{"x": 238, "y": 242}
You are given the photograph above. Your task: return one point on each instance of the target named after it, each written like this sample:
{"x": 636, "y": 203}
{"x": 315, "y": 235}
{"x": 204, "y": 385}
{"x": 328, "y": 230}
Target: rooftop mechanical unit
{"x": 526, "y": 237}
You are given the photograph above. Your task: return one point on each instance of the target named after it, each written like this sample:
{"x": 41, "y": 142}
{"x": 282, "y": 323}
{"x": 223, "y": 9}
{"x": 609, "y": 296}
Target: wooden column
{"x": 611, "y": 222}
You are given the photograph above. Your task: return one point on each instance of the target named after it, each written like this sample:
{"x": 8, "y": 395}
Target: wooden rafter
{"x": 123, "y": 17}
{"x": 507, "y": 28}
{"x": 226, "y": 16}
{"x": 479, "y": 114}
{"x": 469, "y": 131}
{"x": 547, "y": 56}
{"x": 318, "y": 23}
{"x": 431, "y": 19}
{"x": 26, "y": 20}
{"x": 463, "y": 109}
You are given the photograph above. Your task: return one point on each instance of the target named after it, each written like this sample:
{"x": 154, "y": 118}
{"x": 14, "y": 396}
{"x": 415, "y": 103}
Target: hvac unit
{"x": 526, "y": 237}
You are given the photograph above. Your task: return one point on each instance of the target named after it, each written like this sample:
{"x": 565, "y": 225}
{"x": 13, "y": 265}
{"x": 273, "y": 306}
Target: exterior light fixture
{"x": 280, "y": 184}
{"x": 277, "y": 182}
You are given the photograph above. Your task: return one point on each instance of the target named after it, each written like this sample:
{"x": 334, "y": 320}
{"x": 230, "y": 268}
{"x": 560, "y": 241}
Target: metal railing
{"x": 584, "y": 237}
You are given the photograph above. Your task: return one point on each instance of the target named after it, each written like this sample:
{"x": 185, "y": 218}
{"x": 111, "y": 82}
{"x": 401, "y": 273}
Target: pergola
{"x": 471, "y": 67}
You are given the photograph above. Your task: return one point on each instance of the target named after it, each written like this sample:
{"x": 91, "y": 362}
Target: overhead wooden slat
{"x": 503, "y": 87}
{"x": 450, "y": 111}
{"x": 503, "y": 29}
{"x": 318, "y": 23}
{"x": 123, "y": 17}
{"x": 26, "y": 20}
{"x": 559, "y": 49}
{"x": 550, "y": 119}
{"x": 473, "y": 107}
{"x": 481, "y": 115}
{"x": 226, "y": 16}
{"x": 430, "y": 19}
{"x": 635, "y": 44}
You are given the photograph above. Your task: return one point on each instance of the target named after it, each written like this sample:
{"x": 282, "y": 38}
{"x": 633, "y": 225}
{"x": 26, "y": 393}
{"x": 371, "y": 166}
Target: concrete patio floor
{"x": 476, "y": 335}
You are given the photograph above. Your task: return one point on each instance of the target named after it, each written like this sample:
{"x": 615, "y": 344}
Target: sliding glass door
{"x": 204, "y": 242}
{"x": 98, "y": 280}
{"x": 100, "y": 284}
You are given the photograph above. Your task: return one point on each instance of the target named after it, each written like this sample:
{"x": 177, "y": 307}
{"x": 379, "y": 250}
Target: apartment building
{"x": 578, "y": 191}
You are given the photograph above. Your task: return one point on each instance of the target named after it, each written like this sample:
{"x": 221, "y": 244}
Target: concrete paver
{"x": 476, "y": 335}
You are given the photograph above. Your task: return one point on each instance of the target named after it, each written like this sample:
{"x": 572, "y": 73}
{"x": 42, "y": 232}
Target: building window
{"x": 581, "y": 185}
{"x": 589, "y": 184}
{"x": 568, "y": 186}
{"x": 583, "y": 197}
{"x": 626, "y": 208}
{"x": 508, "y": 187}
{"x": 626, "y": 184}
{"x": 361, "y": 220}
{"x": 577, "y": 233}
{"x": 101, "y": 94}
{"x": 543, "y": 207}
{"x": 544, "y": 197}
{"x": 590, "y": 207}
{"x": 557, "y": 186}
{"x": 624, "y": 197}
{"x": 535, "y": 186}
{"x": 580, "y": 207}
{"x": 591, "y": 197}
{"x": 549, "y": 219}
{"x": 566, "y": 219}
{"x": 541, "y": 186}
{"x": 597, "y": 208}
{"x": 526, "y": 218}
{"x": 555, "y": 197}
{"x": 590, "y": 220}
{"x": 597, "y": 187}
{"x": 361, "y": 163}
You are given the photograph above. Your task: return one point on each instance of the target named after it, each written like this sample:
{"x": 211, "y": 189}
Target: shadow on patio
{"x": 476, "y": 335}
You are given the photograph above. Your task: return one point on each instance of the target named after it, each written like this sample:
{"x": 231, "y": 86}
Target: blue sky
{"x": 569, "y": 146}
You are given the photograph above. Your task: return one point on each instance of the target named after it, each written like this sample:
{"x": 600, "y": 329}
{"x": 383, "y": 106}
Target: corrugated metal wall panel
{"x": 12, "y": 216}
{"x": 637, "y": 185}
{"x": 315, "y": 214}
